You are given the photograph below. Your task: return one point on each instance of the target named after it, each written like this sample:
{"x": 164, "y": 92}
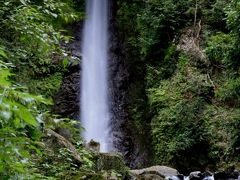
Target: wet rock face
{"x": 66, "y": 101}
{"x": 125, "y": 138}
{"x": 118, "y": 78}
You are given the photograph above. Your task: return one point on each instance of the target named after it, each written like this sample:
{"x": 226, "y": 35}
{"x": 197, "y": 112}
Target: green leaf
{"x": 2, "y": 53}
{"x": 29, "y": 99}
{"x": 65, "y": 63}
{"x": 4, "y": 74}
{"x": 23, "y": 113}
{"x": 17, "y": 123}
{"x": 23, "y": 2}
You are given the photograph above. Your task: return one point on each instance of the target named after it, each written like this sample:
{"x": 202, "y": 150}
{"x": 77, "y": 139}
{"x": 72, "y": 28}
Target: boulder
{"x": 89, "y": 176}
{"x": 229, "y": 173}
{"x": 110, "y": 161}
{"x": 226, "y": 175}
{"x": 54, "y": 140}
{"x": 93, "y": 146}
{"x": 103, "y": 175}
{"x": 197, "y": 175}
{"x": 150, "y": 177}
{"x": 154, "y": 172}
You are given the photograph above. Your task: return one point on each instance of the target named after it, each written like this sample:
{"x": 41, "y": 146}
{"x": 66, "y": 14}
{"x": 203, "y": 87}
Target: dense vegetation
{"x": 32, "y": 62}
{"x": 183, "y": 59}
{"x": 184, "y": 93}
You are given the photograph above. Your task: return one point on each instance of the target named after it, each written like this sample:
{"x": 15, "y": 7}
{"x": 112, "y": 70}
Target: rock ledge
{"x": 154, "y": 173}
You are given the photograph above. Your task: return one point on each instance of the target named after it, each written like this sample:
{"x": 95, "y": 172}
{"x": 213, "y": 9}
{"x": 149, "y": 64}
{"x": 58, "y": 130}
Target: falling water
{"x": 94, "y": 88}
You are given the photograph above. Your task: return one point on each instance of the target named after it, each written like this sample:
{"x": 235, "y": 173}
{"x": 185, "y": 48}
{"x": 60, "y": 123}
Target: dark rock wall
{"x": 67, "y": 99}
{"x": 126, "y": 139}
{"x": 118, "y": 74}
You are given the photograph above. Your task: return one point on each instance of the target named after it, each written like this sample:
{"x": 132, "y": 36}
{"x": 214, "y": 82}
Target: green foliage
{"x": 163, "y": 69}
{"x": 55, "y": 160}
{"x": 18, "y": 113}
{"x": 230, "y": 92}
{"x": 46, "y": 85}
{"x": 218, "y": 49}
{"x": 185, "y": 105}
{"x": 22, "y": 155}
{"x": 33, "y": 34}
{"x": 58, "y": 163}
{"x": 233, "y": 12}
{"x": 158, "y": 16}
{"x": 178, "y": 132}
{"x": 178, "y": 125}
{"x": 236, "y": 139}
{"x": 152, "y": 17}
{"x": 32, "y": 54}
{"x": 192, "y": 103}
{"x": 221, "y": 123}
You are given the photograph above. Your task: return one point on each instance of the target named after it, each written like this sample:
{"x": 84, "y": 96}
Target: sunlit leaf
{"x": 23, "y": 2}
{"x": 4, "y": 74}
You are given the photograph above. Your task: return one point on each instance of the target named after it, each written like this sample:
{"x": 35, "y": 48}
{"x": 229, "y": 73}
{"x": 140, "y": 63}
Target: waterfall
{"x": 94, "y": 78}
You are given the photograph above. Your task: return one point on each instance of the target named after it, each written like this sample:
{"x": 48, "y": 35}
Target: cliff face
{"x": 67, "y": 98}
{"x": 125, "y": 139}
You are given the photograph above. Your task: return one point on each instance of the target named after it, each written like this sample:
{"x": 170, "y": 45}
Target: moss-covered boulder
{"x": 103, "y": 175}
{"x": 89, "y": 176}
{"x": 111, "y": 162}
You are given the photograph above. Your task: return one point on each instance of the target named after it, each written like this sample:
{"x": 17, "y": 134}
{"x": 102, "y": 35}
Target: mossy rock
{"x": 103, "y": 175}
{"x": 111, "y": 162}
{"x": 154, "y": 172}
{"x": 89, "y": 176}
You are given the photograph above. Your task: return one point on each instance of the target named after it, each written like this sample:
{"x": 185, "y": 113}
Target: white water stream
{"x": 94, "y": 77}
